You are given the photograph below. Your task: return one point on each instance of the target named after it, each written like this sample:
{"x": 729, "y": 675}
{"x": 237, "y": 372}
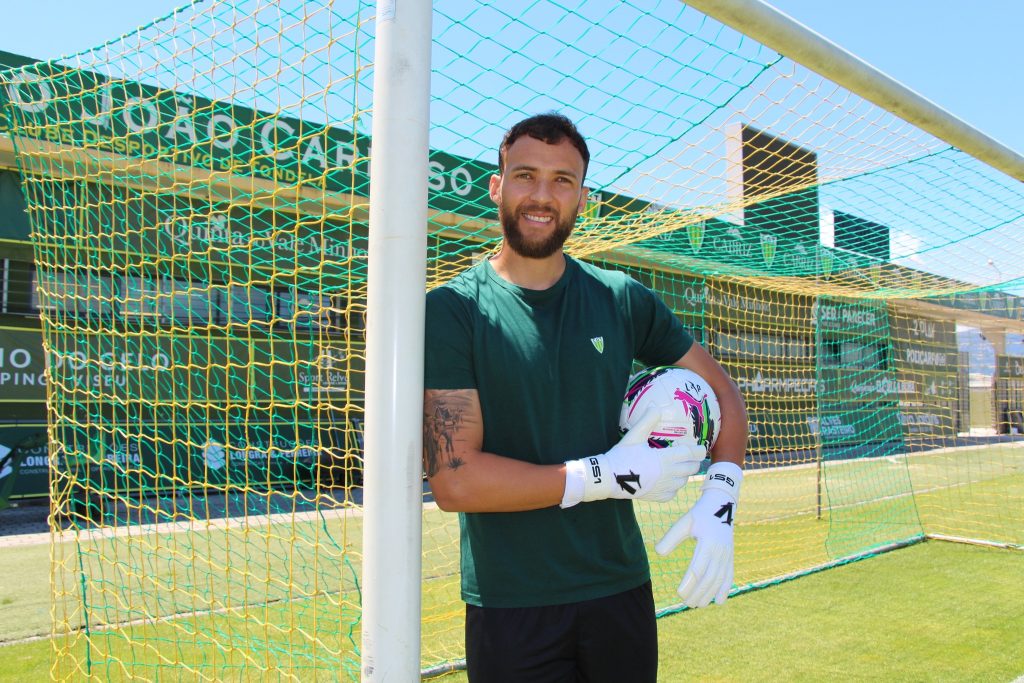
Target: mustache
{"x": 538, "y": 208}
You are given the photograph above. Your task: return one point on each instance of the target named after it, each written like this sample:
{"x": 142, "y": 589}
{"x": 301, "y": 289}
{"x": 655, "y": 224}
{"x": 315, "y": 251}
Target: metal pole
{"x": 776, "y": 30}
{"x": 393, "y": 495}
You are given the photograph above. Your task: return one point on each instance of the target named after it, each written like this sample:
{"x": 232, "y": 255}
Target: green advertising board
{"x": 986, "y": 302}
{"x": 861, "y": 424}
{"x": 22, "y": 369}
{"x": 781, "y": 428}
{"x": 843, "y": 386}
{"x": 926, "y": 357}
{"x": 51, "y": 102}
{"x": 152, "y": 399}
{"x": 171, "y": 368}
{"x": 1009, "y": 367}
{"x": 851, "y": 318}
{"x": 14, "y": 223}
{"x": 747, "y": 307}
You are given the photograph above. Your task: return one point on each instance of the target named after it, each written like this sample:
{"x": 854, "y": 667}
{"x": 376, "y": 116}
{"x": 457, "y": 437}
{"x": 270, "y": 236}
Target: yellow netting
{"x": 197, "y": 194}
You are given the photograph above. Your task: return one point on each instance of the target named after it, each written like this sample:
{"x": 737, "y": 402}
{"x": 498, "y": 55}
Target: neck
{"x": 528, "y": 273}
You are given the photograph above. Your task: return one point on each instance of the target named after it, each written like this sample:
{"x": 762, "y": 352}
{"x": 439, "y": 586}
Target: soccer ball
{"x": 696, "y": 417}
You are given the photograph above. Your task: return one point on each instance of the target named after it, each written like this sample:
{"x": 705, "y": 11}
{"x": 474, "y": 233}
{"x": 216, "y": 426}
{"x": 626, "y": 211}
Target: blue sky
{"x": 964, "y": 55}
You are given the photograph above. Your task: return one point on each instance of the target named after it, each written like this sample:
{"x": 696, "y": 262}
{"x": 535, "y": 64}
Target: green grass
{"x": 931, "y": 612}
{"x": 24, "y": 591}
{"x": 935, "y": 611}
{"x": 284, "y": 595}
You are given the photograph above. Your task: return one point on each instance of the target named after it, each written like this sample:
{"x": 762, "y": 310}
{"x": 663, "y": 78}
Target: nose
{"x": 541, "y": 191}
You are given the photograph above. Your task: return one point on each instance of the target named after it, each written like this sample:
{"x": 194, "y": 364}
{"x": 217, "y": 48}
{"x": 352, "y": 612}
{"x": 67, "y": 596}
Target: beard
{"x": 537, "y": 249}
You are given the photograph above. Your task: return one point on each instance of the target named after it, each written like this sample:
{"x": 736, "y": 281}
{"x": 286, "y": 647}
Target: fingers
{"x": 688, "y": 453}
{"x": 679, "y": 532}
{"x": 709, "y": 577}
{"x": 693, "y": 585}
{"x": 681, "y": 469}
{"x": 643, "y": 428}
{"x": 723, "y": 591}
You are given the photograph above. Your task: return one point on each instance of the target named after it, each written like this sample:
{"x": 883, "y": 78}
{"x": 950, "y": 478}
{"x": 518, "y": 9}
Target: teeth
{"x": 538, "y": 219}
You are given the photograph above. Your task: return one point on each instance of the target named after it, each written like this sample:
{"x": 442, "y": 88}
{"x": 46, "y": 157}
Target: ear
{"x": 494, "y": 188}
{"x": 584, "y": 196}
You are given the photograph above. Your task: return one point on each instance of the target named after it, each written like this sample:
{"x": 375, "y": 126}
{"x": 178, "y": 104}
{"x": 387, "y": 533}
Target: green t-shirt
{"x": 551, "y": 368}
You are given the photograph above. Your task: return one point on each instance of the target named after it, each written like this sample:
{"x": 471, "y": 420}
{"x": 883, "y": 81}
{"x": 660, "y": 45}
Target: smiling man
{"x": 528, "y": 355}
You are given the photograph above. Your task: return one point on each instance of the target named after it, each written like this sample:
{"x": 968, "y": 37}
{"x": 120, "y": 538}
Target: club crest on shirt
{"x": 598, "y": 343}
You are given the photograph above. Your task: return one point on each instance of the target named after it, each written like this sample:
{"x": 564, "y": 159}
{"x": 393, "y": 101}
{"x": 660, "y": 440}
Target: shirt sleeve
{"x": 448, "y": 342}
{"x": 660, "y": 337}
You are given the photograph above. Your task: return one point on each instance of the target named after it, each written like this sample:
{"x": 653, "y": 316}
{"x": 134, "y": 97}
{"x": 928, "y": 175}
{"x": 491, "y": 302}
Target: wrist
{"x": 726, "y": 477}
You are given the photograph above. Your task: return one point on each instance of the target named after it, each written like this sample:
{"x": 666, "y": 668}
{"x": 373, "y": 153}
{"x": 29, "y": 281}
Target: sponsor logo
{"x": 7, "y": 468}
{"x": 214, "y": 455}
{"x": 924, "y": 357}
{"x": 761, "y": 384}
{"x": 922, "y": 328}
{"x": 827, "y": 262}
{"x": 630, "y": 483}
{"x": 875, "y": 273}
{"x": 732, "y": 243}
{"x": 836, "y": 314}
{"x": 695, "y": 231}
{"x": 725, "y": 513}
{"x": 724, "y": 478}
{"x": 883, "y": 386}
{"x": 831, "y": 426}
{"x": 769, "y": 244}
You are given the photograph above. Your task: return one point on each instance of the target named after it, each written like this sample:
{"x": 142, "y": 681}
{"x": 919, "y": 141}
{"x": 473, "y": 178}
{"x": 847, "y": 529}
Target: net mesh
{"x": 197, "y": 193}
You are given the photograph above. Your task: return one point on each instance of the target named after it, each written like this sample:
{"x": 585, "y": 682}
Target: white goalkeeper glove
{"x": 632, "y": 469}
{"x": 710, "y": 521}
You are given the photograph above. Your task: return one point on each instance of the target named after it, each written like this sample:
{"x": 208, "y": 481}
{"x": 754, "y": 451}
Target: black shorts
{"x": 613, "y": 639}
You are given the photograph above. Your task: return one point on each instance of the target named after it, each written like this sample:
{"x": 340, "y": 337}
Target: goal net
{"x": 198, "y": 194}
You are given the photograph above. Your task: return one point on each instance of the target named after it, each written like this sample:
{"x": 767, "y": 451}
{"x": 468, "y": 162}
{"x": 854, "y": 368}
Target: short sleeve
{"x": 448, "y": 342}
{"x": 661, "y": 339}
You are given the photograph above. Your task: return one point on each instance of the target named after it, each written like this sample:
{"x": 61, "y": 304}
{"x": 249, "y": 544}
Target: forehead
{"x": 533, "y": 153}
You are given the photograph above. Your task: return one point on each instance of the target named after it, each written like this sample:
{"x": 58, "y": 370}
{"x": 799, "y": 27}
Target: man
{"x": 527, "y": 359}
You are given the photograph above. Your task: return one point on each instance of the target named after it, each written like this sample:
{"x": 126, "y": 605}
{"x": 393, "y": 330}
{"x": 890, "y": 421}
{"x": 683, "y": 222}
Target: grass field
{"x": 282, "y": 594}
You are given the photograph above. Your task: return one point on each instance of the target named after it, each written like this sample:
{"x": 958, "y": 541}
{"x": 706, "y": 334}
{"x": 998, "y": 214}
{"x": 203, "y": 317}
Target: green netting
{"x": 198, "y": 191}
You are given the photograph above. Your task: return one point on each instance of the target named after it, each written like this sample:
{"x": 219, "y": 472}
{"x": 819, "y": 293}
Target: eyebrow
{"x": 527, "y": 167}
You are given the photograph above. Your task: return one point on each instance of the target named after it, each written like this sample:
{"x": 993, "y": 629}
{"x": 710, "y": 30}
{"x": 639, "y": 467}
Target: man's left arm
{"x": 710, "y": 520}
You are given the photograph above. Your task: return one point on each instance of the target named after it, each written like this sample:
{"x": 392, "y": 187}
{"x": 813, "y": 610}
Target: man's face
{"x": 539, "y": 194}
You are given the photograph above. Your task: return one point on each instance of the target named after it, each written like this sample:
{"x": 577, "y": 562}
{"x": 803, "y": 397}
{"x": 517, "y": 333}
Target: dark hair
{"x": 551, "y": 128}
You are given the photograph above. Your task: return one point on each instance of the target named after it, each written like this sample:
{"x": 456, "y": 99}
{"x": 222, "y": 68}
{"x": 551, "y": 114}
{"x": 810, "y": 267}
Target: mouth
{"x": 538, "y": 218}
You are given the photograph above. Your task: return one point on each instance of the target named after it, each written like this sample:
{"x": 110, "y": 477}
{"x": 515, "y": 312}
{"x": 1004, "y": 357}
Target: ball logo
{"x": 699, "y": 410}
{"x": 689, "y": 408}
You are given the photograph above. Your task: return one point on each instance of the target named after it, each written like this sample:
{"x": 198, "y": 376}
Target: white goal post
{"x": 393, "y": 494}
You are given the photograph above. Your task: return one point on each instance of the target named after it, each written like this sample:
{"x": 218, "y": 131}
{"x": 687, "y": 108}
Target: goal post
{"x": 772, "y": 28}
{"x": 218, "y": 313}
{"x": 393, "y": 492}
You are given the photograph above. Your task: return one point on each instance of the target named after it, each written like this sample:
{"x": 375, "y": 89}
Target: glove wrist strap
{"x": 575, "y": 483}
{"x": 724, "y": 476}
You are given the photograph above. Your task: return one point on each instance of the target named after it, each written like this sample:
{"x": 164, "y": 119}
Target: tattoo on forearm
{"x": 441, "y": 422}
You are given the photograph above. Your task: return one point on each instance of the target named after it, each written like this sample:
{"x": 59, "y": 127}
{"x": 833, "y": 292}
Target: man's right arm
{"x": 464, "y": 478}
